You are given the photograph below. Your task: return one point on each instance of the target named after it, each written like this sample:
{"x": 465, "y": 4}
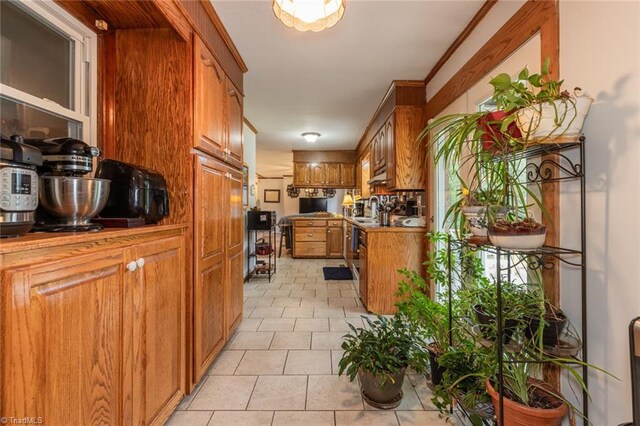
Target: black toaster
{"x": 135, "y": 192}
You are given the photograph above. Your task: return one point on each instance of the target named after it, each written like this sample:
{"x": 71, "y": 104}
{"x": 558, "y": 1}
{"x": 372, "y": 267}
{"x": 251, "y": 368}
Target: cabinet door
{"x": 363, "y": 281}
{"x": 348, "y": 175}
{"x": 62, "y": 345}
{"x": 366, "y": 175}
{"x": 235, "y": 295}
{"x": 390, "y": 151}
{"x": 382, "y": 149}
{"x": 332, "y": 174}
{"x": 301, "y": 174}
{"x": 209, "y": 102}
{"x": 210, "y": 220}
{"x": 334, "y": 242}
{"x": 235, "y": 238}
{"x": 317, "y": 174}
{"x": 157, "y": 324}
{"x": 234, "y": 137}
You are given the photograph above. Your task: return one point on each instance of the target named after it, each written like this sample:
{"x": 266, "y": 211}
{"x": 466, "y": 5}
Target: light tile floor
{"x": 281, "y": 367}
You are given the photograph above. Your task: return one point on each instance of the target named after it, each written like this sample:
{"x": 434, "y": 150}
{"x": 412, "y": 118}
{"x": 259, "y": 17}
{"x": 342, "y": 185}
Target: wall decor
{"x": 329, "y": 192}
{"x": 292, "y": 191}
{"x": 271, "y": 195}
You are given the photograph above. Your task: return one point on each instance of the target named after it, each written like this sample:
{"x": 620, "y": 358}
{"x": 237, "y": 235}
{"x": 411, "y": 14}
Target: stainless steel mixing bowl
{"x": 73, "y": 200}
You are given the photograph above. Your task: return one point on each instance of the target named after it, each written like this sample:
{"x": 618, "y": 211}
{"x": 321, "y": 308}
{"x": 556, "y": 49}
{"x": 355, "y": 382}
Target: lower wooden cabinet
{"x": 363, "y": 278}
{"x": 317, "y": 238}
{"x": 93, "y": 332}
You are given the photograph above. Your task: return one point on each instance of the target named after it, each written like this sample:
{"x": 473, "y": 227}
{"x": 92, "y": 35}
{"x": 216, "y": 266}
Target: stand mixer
{"x": 68, "y": 199}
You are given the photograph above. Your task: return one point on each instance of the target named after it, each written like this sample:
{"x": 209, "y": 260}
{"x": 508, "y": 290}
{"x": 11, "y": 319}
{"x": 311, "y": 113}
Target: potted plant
{"x": 478, "y": 206}
{"x": 379, "y": 356}
{"x": 526, "y": 400}
{"x": 548, "y": 325}
{"x": 542, "y": 110}
{"x": 523, "y": 234}
{"x": 431, "y": 316}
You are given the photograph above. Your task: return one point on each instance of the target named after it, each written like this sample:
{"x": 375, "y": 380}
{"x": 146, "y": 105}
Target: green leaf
{"x": 545, "y": 66}
{"x": 501, "y": 81}
{"x": 524, "y": 74}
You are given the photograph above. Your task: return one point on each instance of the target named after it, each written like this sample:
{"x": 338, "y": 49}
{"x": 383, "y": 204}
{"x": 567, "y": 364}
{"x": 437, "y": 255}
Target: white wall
{"x": 249, "y": 155}
{"x": 275, "y": 183}
{"x": 600, "y": 52}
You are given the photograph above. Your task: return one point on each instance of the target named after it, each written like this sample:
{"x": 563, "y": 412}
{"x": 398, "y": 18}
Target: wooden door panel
{"x": 158, "y": 328}
{"x": 348, "y": 175}
{"x": 317, "y": 175}
{"x": 234, "y": 137}
{"x": 235, "y": 291}
{"x": 235, "y": 211}
{"x": 209, "y": 315}
{"x": 364, "y": 276}
{"x": 63, "y": 347}
{"x": 332, "y": 174}
{"x": 301, "y": 174}
{"x": 334, "y": 242}
{"x": 209, "y": 101}
{"x": 390, "y": 151}
{"x": 210, "y": 208}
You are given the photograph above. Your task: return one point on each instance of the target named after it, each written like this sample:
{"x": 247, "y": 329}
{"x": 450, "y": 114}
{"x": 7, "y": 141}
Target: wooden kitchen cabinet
{"x": 210, "y": 98}
{"x": 218, "y": 239}
{"x": 324, "y": 175}
{"x": 348, "y": 175}
{"x": 155, "y": 294}
{"x": 301, "y": 174}
{"x": 332, "y": 174}
{"x": 317, "y": 175}
{"x": 334, "y": 241}
{"x": 363, "y": 278}
{"x": 235, "y": 121}
{"x": 218, "y": 108}
{"x": 89, "y": 336}
{"x": 391, "y": 138}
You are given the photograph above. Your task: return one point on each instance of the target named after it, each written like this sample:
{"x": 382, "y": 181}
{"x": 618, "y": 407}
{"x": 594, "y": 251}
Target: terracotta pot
{"x": 492, "y": 137}
{"x": 516, "y": 414}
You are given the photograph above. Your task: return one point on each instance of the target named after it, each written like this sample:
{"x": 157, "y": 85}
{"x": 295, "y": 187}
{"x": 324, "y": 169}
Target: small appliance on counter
{"x": 68, "y": 199}
{"x": 18, "y": 186}
{"x": 136, "y": 192}
{"x": 410, "y": 221}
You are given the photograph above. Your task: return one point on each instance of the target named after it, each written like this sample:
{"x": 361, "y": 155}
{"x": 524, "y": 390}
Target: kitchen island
{"x": 375, "y": 253}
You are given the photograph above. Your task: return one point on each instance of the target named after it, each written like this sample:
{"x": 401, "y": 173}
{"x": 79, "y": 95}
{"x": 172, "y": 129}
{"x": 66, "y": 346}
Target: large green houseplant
{"x": 379, "y": 356}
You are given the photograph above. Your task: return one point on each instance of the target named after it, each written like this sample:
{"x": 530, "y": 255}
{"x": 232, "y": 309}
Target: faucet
{"x": 372, "y": 199}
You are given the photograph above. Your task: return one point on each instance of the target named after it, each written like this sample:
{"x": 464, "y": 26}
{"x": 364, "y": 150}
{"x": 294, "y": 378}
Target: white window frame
{"x": 85, "y": 73}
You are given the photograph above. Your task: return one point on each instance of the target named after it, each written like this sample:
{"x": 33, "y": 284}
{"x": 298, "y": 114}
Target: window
{"x": 47, "y": 72}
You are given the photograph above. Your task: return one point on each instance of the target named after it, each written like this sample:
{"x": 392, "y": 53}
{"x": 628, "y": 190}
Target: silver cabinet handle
{"x": 140, "y": 262}
{"x": 132, "y": 266}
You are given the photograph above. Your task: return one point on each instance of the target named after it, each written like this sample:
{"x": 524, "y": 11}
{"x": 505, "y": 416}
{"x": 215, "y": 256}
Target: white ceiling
{"x": 332, "y": 82}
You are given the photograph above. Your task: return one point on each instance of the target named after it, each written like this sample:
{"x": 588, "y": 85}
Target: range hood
{"x": 379, "y": 179}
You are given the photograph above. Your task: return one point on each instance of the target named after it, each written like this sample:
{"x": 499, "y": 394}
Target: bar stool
{"x": 283, "y": 228}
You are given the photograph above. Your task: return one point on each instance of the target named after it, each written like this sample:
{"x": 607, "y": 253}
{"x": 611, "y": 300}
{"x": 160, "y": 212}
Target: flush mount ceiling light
{"x": 311, "y": 137}
{"x": 309, "y": 15}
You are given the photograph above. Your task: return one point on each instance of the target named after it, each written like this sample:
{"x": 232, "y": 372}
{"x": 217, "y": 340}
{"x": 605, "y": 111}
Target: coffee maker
{"x": 68, "y": 199}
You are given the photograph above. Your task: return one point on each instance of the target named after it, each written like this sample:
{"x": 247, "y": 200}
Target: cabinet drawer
{"x": 311, "y": 234}
{"x": 334, "y": 223}
{"x": 311, "y": 222}
{"x": 315, "y": 249}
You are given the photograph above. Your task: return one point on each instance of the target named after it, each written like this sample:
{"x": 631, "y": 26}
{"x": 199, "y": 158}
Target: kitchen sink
{"x": 363, "y": 219}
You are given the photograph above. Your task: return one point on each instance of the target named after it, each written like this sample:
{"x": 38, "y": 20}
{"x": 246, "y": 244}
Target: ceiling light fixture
{"x": 311, "y": 137}
{"x": 309, "y": 15}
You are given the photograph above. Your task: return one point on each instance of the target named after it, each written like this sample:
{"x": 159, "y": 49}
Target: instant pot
{"x": 18, "y": 186}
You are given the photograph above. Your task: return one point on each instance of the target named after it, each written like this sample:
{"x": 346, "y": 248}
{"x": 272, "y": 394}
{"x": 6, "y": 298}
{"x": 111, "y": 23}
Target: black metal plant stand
{"x": 267, "y": 260}
{"x": 542, "y": 258}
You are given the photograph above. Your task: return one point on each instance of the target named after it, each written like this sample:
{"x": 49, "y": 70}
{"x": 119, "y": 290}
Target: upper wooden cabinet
{"x": 347, "y": 175}
{"x": 234, "y": 134}
{"x": 217, "y": 108}
{"x": 365, "y": 175}
{"x": 324, "y": 175}
{"x": 391, "y": 137}
{"x": 301, "y": 174}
